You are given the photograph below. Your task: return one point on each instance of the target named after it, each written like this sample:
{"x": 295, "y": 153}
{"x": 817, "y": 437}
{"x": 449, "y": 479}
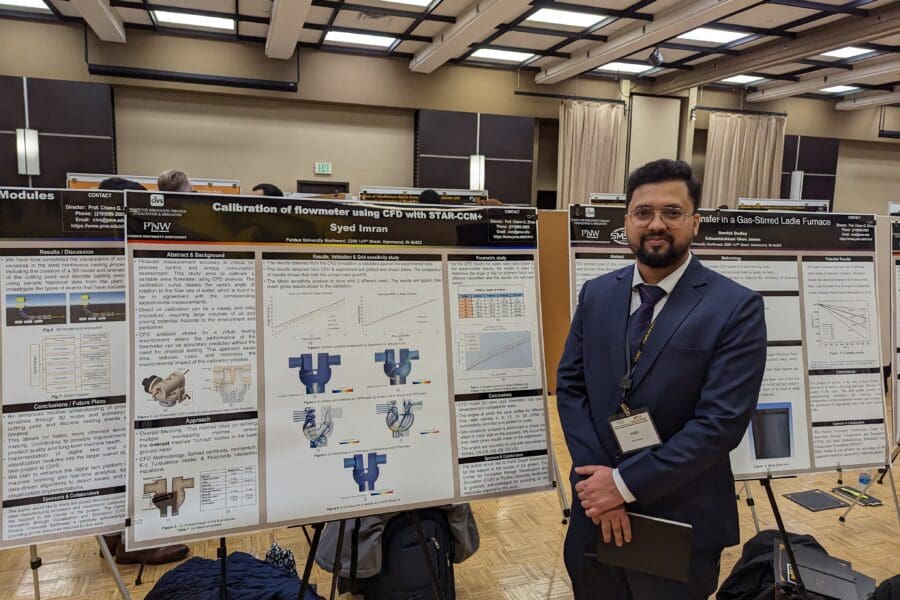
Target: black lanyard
{"x": 626, "y": 383}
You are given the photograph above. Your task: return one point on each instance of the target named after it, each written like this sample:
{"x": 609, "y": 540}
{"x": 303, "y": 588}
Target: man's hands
{"x": 603, "y": 503}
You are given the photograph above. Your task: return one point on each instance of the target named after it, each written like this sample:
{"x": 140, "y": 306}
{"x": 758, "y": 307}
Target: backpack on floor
{"x": 888, "y": 590}
{"x": 404, "y": 574}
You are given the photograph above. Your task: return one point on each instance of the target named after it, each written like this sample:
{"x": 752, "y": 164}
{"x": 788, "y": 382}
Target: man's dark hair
{"x": 663, "y": 170}
{"x": 429, "y": 197}
{"x": 119, "y": 183}
{"x": 268, "y": 189}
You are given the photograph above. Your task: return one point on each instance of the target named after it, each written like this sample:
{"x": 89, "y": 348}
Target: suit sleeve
{"x": 727, "y": 401}
{"x": 571, "y": 395}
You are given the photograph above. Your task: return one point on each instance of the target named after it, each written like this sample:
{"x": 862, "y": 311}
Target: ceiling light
{"x": 565, "y": 17}
{"x": 411, "y": 2}
{"x": 742, "y": 79}
{"x": 621, "y": 67}
{"x": 31, "y": 4}
{"x": 848, "y": 52}
{"x": 716, "y": 36}
{"x": 360, "y": 39}
{"x": 166, "y": 17}
{"x": 839, "y": 89}
{"x": 504, "y": 55}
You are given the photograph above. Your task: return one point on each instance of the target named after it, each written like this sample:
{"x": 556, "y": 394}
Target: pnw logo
{"x": 618, "y": 236}
{"x": 156, "y": 227}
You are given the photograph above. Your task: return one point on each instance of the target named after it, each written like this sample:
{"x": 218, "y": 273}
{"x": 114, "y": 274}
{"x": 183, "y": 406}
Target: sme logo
{"x": 156, "y": 227}
{"x": 618, "y": 236}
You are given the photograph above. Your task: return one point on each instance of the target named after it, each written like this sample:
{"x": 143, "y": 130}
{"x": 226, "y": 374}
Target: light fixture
{"x": 167, "y": 17}
{"x": 566, "y": 17}
{"x": 28, "y": 152}
{"x": 29, "y": 4}
{"x": 476, "y": 172}
{"x": 504, "y": 55}
{"x": 656, "y": 57}
{"x": 742, "y": 79}
{"x": 839, "y": 89}
{"x": 359, "y": 39}
{"x": 716, "y": 36}
{"x": 848, "y": 52}
{"x": 621, "y": 67}
{"x": 410, "y": 2}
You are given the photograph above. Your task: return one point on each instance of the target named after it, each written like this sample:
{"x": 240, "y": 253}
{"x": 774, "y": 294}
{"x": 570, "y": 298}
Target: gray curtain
{"x": 589, "y": 135}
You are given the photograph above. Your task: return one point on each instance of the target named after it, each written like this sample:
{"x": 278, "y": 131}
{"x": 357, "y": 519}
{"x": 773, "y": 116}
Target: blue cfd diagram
{"x": 314, "y": 377}
{"x": 317, "y": 432}
{"x": 365, "y": 474}
{"x": 398, "y": 422}
{"x": 397, "y": 370}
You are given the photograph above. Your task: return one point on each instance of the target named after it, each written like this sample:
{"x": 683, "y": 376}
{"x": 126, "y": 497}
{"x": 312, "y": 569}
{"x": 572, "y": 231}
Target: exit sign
{"x": 323, "y": 168}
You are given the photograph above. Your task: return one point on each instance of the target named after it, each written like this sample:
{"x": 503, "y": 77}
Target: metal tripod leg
{"x": 560, "y": 484}
{"x": 752, "y": 506}
{"x": 107, "y": 555}
{"x": 35, "y": 565}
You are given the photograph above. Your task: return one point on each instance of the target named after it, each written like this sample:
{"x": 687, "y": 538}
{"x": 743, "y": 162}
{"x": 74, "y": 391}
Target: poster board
{"x": 598, "y": 199}
{"x": 91, "y": 181}
{"x": 62, "y": 352}
{"x": 783, "y": 205}
{"x": 373, "y": 193}
{"x": 821, "y": 403}
{"x": 298, "y": 361}
{"x": 895, "y": 316}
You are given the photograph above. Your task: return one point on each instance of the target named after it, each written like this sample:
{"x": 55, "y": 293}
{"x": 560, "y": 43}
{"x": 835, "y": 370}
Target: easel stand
{"x": 767, "y": 483}
{"x": 35, "y": 565}
{"x": 107, "y": 555}
{"x": 884, "y": 471}
{"x": 752, "y": 504}
{"x": 222, "y": 554}
{"x": 314, "y": 546}
{"x": 560, "y": 486}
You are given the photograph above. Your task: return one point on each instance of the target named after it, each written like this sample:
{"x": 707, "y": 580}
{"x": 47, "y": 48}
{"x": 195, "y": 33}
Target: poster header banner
{"x": 604, "y": 227}
{"x": 32, "y": 213}
{"x": 197, "y": 218}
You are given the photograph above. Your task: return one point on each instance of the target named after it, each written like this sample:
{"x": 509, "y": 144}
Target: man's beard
{"x": 671, "y": 255}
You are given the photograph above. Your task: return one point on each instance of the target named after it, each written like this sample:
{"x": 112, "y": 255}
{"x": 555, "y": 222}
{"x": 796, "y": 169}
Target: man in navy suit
{"x": 674, "y": 343}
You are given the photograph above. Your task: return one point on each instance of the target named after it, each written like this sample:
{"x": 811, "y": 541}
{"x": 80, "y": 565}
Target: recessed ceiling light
{"x": 621, "y": 67}
{"x": 504, "y": 55}
{"x": 31, "y": 4}
{"x": 708, "y": 34}
{"x": 411, "y": 2}
{"x": 742, "y": 79}
{"x": 166, "y": 17}
{"x": 359, "y": 39}
{"x": 565, "y": 17}
{"x": 848, "y": 52}
{"x": 839, "y": 89}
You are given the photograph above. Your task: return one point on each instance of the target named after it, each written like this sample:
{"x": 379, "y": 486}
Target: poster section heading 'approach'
{"x": 821, "y": 403}
{"x": 297, "y": 361}
{"x": 895, "y": 312}
{"x": 63, "y": 339}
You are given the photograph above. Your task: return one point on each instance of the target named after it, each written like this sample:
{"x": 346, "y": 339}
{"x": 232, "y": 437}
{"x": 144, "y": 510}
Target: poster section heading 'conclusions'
{"x": 300, "y": 361}
{"x": 895, "y": 311}
{"x": 63, "y": 338}
{"x": 821, "y": 403}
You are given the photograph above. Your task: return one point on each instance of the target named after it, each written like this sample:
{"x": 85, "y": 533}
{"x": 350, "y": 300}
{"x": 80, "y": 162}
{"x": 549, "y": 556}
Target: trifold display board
{"x": 822, "y": 402}
{"x": 64, "y": 341}
{"x": 296, "y": 361}
{"x": 895, "y": 312}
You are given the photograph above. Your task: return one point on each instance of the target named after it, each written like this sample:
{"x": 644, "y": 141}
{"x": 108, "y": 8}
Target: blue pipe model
{"x": 397, "y": 371}
{"x": 314, "y": 378}
{"x": 398, "y": 422}
{"x": 365, "y": 477}
{"x": 317, "y": 435}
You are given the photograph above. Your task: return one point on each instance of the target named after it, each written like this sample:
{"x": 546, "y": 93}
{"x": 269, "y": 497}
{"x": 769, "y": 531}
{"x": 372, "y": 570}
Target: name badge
{"x": 634, "y": 431}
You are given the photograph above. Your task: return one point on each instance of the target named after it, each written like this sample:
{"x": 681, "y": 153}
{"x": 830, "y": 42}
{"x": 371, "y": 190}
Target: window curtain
{"x": 743, "y": 158}
{"x": 589, "y": 135}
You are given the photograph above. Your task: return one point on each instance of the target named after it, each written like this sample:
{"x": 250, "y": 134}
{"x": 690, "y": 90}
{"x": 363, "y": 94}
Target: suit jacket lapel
{"x": 617, "y": 317}
{"x": 678, "y": 306}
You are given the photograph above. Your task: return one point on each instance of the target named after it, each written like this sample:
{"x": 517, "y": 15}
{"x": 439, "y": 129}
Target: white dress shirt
{"x": 668, "y": 284}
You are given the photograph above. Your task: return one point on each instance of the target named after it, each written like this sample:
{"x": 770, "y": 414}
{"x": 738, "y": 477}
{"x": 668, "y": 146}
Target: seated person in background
{"x": 429, "y": 197}
{"x": 114, "y": 541}
{"x": 267, "y": 189}
{"x": 174, "y": 181}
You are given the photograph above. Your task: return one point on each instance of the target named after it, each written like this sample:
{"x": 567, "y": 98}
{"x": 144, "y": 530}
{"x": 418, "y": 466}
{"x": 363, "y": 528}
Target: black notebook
{"x": 658, "y": 547}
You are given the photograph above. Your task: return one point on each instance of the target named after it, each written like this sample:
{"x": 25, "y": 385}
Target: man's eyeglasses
{"x": 672, "y": 216}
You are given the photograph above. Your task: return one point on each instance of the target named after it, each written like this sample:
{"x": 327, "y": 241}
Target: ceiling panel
{"x": 356, "y": 20}
{"x": 430, "y": 28}
{"x": 668, "y": 55}
{"x": 786, "y": 68}
{"x": 259, "y": 30}
{"x": 819, "y": 22}
{"x": 256, "y": 8}
{"x": 768, "y": 16}
{"x": 67, "y": 8}
{"x": 226, "y": 6}
{"x": 408, "y": 47}
{"x": 527, "y": 40}
{"x": 893, "y": 40}
{"x": 310, "y": 36}
{"x": 318, "y": 15}
{"x": 134, "y": 15}
{"x": 451, "y": 7}
{"x": 612, "y": 4}
{"x": 579, "y": 45}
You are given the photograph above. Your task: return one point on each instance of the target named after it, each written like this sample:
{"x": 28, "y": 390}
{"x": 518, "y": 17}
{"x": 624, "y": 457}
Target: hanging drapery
{"x": 589, "y": 135}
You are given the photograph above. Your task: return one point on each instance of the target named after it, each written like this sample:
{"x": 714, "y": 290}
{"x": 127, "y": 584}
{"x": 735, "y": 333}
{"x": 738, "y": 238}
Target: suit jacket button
{"x": 618, "y": 454}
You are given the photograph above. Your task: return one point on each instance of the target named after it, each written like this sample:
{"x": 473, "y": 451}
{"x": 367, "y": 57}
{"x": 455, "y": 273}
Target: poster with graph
{"x": 895, "y": 314}
{"x": 337, "y": 360}
{"x": 821, "y": 402}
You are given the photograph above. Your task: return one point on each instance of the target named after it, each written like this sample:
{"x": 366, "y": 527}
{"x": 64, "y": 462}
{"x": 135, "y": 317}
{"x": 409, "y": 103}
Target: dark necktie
{"x": 640, "y": 319}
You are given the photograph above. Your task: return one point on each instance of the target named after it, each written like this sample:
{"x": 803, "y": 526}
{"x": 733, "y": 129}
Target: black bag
{"x": 888, "y": 590}
{"x": 404, "y": 574}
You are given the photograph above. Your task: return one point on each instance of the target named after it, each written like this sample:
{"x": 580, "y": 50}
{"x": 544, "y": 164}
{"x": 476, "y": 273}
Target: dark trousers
{"x": 595, "y": 581}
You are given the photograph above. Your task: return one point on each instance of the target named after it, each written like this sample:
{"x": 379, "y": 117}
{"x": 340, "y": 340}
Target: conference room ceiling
{"x": 774, "y": 48}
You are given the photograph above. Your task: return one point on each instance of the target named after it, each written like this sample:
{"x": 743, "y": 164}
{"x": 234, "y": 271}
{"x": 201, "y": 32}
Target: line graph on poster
{"x": 842, "y": 322}
{"x": 290, "y": 314}
{"x": 482, "y": 354}
{"x": 398, "y": 311}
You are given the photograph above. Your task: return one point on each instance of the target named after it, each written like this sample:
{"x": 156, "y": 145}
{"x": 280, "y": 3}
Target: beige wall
{"x": 655, "y": 124}
{"x": 258, "y": 140}
{"x": 868, "y": 177}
